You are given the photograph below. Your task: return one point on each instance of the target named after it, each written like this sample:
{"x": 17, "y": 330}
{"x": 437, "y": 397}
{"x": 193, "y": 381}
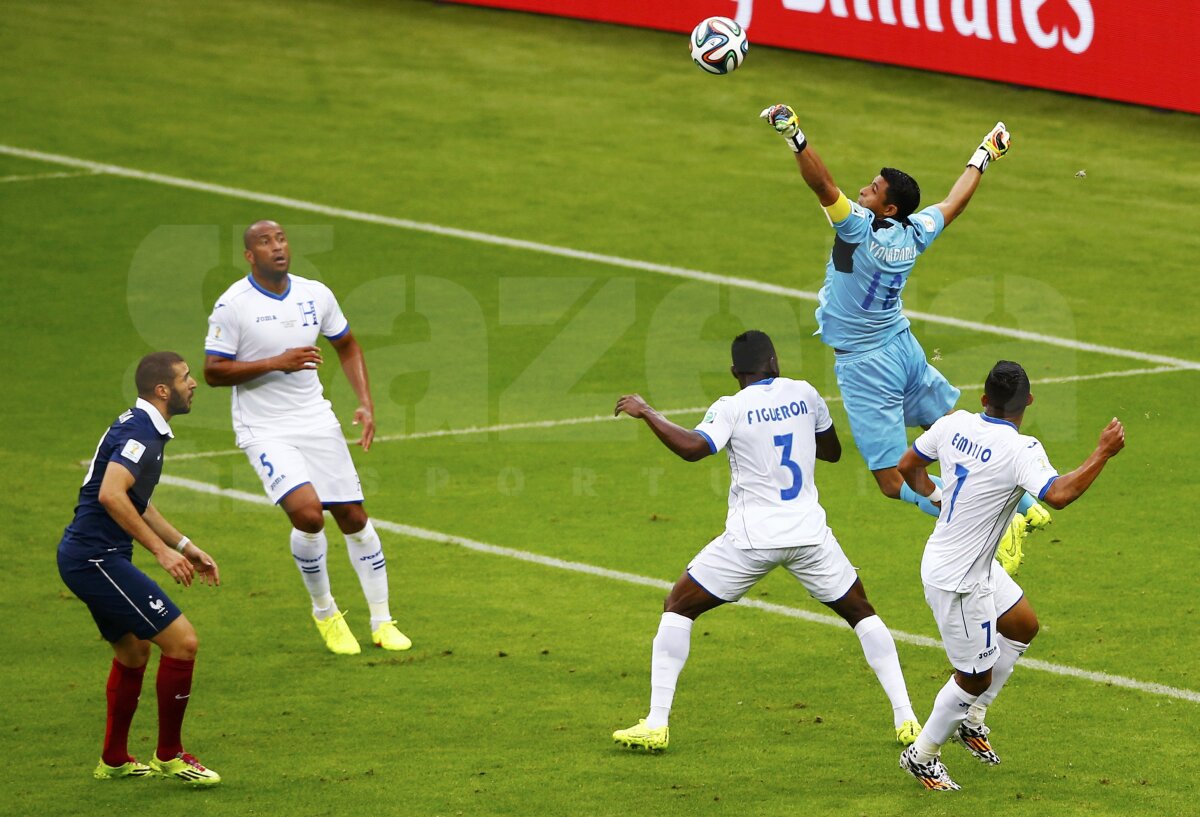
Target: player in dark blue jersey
{"x": 95, "y": 560}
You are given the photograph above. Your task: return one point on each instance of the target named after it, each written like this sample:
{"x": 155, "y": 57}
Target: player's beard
{"x": 178, "y": 403}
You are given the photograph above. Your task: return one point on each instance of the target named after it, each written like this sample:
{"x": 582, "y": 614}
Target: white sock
{"x": 366, "y": 554}
{"x": 880, "y": 650}
{"x": 949, "y": 710}
{"x": 1010, "y": 652}
{"x": 309, "y": 551}
{"x": 671, "y": 646}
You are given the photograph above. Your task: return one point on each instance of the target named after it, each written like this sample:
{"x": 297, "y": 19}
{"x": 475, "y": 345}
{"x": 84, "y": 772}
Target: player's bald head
{"x": 258, "y": 228}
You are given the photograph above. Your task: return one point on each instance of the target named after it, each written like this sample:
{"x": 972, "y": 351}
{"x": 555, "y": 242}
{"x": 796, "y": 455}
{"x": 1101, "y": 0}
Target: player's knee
{"x": 309, "y": 519}
{"x": 187, "y": 646}
{"x": 351, "y": 518}
{"x": 134, "y": 654}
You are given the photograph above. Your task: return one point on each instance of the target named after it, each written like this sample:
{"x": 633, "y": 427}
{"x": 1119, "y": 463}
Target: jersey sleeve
{"x": 824, "y": 421}
{"x": 854, "y": 228}
{"x": 333, "y": 322}
{"x": 1034, "y": 472}
{"x": 926, "y": 445}
{"x": 223, "y": 332}
{"x": 928, "y": 225}
{"x": 133, "y": 450}
{"x": 717, "y": 425}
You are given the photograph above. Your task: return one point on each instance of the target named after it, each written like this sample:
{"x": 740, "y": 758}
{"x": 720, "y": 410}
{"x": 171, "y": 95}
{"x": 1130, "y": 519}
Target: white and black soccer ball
{"x": 719, "y": 45}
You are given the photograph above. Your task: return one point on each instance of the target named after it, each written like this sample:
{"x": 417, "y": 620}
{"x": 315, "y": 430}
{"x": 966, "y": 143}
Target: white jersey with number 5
{"x": 769, "y": 429}
{"x": 251, "y": 323}
{"x": 987, "y": 465}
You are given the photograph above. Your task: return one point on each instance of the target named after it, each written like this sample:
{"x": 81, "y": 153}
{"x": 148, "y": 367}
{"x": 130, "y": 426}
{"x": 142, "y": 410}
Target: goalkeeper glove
{"x": 993, "y": 146}
{"x": 783, "y": 119}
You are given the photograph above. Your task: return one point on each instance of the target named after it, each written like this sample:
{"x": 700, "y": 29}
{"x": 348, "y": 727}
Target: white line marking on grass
{"x": 565, "y": 252}
{"x": 601, "y": 418}
{"x": 33, "y": 177}
{"x": 633, "y": 578}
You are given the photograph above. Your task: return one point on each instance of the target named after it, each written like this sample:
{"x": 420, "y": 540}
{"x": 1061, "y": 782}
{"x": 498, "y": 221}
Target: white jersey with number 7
{"x": 769, "y": 429}
{"x": 987, "y": 465}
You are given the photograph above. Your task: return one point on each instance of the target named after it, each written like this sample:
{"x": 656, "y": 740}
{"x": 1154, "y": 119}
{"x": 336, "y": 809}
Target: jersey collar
{"x": 160, "y": 423}
{"x": 998, "y": 421}
{"x": 764, "y": 382}
{"x": 268, "y": 292}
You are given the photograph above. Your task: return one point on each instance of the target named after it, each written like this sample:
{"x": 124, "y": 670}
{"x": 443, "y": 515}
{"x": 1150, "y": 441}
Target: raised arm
{"x": 224, "y": 371}
{"x": 812, "y": 168}
{"x": 688, "y": 443}
{"x": 1069, "y": 487}
{"x": 354, "y": 364}
{"x": 993, "y": 146}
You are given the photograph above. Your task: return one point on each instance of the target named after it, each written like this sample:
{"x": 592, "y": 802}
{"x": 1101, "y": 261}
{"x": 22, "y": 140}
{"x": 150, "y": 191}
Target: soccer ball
{"x": 719, "y": 45}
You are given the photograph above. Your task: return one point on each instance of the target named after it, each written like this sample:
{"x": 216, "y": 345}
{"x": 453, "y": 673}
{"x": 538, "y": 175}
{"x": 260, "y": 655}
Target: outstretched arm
{"x": 689, "y": 444}
{"x": 816, "y": 175}
{"x": 1069, "y": 487}
{"x": 354, "y": 364}
{"x": 993, "y": 146}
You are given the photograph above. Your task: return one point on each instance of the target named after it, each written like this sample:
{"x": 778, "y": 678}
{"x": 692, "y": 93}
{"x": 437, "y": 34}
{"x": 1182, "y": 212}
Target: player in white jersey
{"x": 985, "y": 621}
{"x": 773, "y": 430}
{"x": 262, "y": 337}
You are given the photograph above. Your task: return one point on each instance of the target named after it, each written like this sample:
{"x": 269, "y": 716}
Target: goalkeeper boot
{"x": 643, "y": 737}
{"x": 1011, "y": 552}
{"x": 388, "y": 636}
{"x": 975, "y": 738}
{"x": 933, "y": 775}
{"x": 186, "y": 769}
{"x": 906, "y": 733}
{"x": 337, "y": 635}
{"x": 1036, "y": 518}
{"x": 130, "y": 768}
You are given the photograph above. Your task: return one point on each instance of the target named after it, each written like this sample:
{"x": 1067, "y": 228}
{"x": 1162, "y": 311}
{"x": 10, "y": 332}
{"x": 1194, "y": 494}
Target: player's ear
{"x": 983, "y": 401}
{"x": 249, "y": 256}
{"x": 1029, "y": 399}
{"x": 890, "y": 210}
{"x": 733, "y": 372}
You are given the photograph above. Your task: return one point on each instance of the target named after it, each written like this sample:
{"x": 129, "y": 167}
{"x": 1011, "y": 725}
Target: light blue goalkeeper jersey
{"x": 859, "y": 305}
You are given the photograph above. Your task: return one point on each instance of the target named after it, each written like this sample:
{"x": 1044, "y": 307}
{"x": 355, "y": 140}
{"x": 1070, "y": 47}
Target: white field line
{"x": 564, "y": 252}
{"x": 601, "y": 418}
{"x": 633, "y": 578}
{"x": 33, "y": 177}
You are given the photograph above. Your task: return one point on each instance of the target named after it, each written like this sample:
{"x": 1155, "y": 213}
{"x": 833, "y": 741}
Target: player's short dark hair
{"x": 903, "y": 191}
{"x": 752, "y": 352}
{"x": 1007, "y": 388}
{"x": 155, "y": 368}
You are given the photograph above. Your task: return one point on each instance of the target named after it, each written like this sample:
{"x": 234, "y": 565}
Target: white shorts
{"x": 319, "y": 458}
{"x": 727, "y": 571}
{"x": 967, "y": 621}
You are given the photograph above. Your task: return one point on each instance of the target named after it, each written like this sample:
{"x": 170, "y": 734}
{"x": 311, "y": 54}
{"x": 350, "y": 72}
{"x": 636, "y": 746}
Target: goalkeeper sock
{"x": 913, "y": 498}
{"x": 669, "y": 654}
{"x": 1026, "y": 503}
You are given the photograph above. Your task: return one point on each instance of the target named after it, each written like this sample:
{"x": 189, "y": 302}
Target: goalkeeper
{"x": 885, "y": 380}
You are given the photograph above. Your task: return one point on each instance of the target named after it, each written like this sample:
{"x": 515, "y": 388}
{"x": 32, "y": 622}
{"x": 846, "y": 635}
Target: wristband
{"x": 797, "y": 143}
{"x": 936, "y": 495}
{"x": 184, "y": 542}
{"x": 980, "y": 159}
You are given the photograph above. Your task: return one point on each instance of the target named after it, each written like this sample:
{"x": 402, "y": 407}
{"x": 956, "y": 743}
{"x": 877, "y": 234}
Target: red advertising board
{"x": 1141, "y": 51}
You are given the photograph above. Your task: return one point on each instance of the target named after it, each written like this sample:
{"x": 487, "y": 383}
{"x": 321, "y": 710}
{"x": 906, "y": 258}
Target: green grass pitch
{"x": 603, "y": 140}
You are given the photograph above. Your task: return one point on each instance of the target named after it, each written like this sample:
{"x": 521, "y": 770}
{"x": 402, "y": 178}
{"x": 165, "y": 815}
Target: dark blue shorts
{"x": 121, "y": 598}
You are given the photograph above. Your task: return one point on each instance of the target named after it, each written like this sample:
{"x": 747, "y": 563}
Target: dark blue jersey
{"x": 135, "y": 440}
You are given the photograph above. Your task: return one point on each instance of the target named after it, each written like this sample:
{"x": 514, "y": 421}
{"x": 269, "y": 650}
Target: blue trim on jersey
{"x": 1046, "y": 487}
{"x": 921, "y": 454}
{"x": 765, "y": 382}
{"x": 712, "y": 447}
{"x": 268, "y": 292}
{"x": 705, "y": 589}
{"x": 341, "y": 502}
{"x": 339, "y": 334}
{"x": 998, "y": 421}
{"x": 293, "y": 488}
{"x": 215, "y": 353}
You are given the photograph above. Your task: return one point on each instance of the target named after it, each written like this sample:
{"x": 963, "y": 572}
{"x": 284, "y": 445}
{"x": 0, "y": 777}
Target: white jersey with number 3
{"x": 769, "y": 430}
{"x": 251, "y": 323}
{"x": 987, "y": 465}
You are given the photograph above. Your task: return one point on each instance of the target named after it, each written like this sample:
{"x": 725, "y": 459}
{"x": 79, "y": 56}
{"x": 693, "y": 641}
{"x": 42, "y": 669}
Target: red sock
{"x": 124, "y": 686}
{"x": 174, "y": 686}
